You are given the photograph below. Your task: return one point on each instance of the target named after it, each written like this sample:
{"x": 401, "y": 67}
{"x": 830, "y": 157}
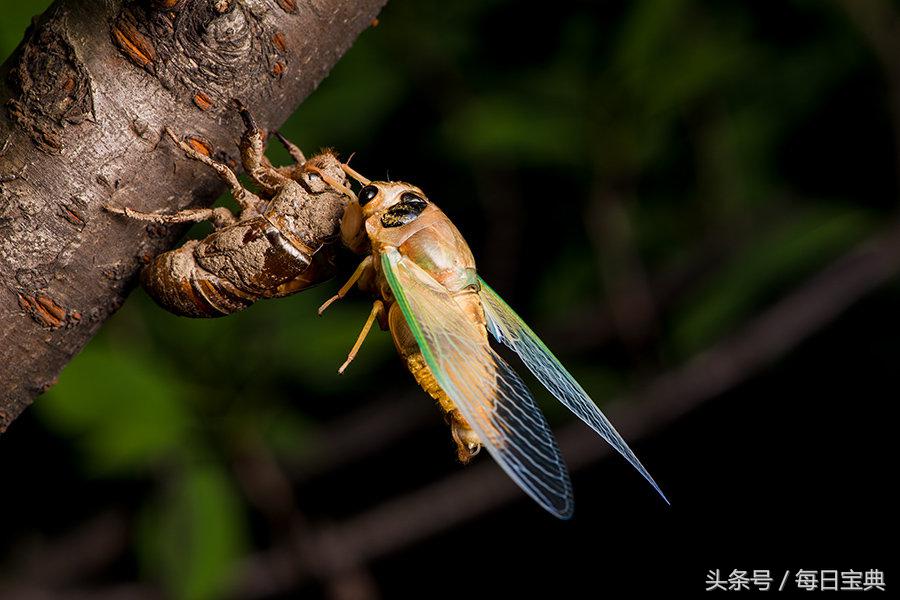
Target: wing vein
{"x": 494, "y": 400}
{"x": 509, "y": 329}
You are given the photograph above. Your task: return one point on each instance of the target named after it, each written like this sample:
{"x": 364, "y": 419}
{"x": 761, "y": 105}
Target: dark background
{"x": 641, "y": 180}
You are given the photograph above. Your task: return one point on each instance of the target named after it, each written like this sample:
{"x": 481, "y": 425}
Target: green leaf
{"x": 571, "y": 280}
{"x": 342, "y": 114}
{"x": 288, "y": 433}
{"x": 309, "y": 348}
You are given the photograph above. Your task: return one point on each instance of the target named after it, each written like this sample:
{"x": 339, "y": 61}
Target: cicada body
{"x": 441, "y": 315}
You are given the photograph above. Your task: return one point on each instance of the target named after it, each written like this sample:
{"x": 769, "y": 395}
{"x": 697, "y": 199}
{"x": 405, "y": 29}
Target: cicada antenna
{"x": 352, "y": 172}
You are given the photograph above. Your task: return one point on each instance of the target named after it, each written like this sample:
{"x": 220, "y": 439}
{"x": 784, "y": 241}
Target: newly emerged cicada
{"x": 427, "y": 294}
{"x": 439, "y": 312}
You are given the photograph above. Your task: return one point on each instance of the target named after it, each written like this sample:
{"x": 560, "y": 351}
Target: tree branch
{"x": 83, "y": 102}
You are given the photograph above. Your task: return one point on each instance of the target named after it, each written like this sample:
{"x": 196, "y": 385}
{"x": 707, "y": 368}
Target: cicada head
{"x": 394, "y": 210}
{"x": 384, "y": 213}
{"x": 397, "y": 203}
{"x": 381, "y": 206}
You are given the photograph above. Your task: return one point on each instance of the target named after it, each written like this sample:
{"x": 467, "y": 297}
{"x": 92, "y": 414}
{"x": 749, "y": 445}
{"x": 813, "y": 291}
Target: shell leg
{"x": 295, "y": 152}
{"x": 253, "y": 158}
{"x": 219, "y": 216}
{"x": 244, "y": 197}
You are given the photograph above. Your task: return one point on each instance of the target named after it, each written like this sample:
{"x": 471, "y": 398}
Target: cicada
{"x": 441, "y": 313}
{"x": 427, "y": 293}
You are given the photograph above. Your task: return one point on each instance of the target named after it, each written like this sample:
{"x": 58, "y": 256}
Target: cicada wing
{"x": 507, "y": 327}
{"x": 492, "y": 398}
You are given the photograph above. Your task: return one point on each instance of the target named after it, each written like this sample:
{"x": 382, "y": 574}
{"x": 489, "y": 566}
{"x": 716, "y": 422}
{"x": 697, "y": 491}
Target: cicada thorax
{"x": 267, "y": 256}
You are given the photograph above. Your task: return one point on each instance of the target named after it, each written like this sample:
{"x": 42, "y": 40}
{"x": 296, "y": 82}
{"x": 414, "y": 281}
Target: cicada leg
{"x": 377, "y": 312}
{"x": 361, "y": 270}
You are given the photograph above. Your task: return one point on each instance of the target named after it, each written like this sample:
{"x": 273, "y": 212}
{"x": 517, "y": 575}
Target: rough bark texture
{"x": 83, "y": 102}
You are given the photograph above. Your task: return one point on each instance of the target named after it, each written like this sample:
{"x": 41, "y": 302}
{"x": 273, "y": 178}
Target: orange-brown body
{"x": 432, "y": 241}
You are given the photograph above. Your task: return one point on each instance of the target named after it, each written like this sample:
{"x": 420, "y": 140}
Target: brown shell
{"x": 231, "y": 268}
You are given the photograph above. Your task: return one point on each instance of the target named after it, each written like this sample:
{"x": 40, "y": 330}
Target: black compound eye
{"x": 367, "y": 193}
{"x": 410, "y": 206}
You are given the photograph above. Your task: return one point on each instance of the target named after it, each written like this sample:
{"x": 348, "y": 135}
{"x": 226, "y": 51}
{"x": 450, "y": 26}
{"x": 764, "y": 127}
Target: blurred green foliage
{"x": 771, "y": 261}
{"x": 120, "y": 431}
{"x": 191, "y": 537}
{"x": 702, "y": 118}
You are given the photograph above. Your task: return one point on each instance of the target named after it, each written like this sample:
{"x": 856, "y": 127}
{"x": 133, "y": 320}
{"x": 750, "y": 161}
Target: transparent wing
{"x": 492, "y": 398}
{"x": 507, "y": 327}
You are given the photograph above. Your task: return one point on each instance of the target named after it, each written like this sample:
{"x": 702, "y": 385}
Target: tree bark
{"x": 83, "y": 102}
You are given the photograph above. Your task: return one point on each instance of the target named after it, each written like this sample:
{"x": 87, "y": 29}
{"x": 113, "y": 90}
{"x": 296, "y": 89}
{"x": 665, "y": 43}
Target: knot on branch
{"x": 51, "y": 88}
{"x": 201, "y": 49}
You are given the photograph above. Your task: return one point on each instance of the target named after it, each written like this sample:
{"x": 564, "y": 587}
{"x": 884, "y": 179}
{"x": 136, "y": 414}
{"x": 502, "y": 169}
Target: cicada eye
{"x": 410, "y": 206}
{"x": 367, "y": 193}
